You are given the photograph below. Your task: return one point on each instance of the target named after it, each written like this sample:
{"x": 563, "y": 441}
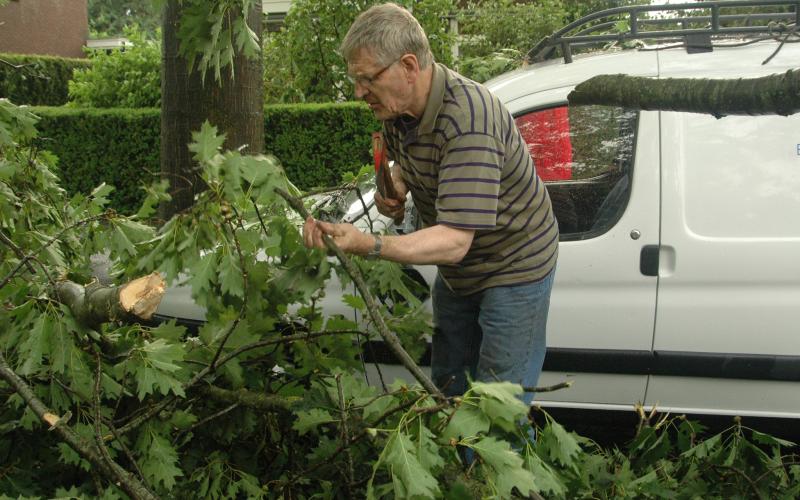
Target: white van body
{"x": 716, "y": 330}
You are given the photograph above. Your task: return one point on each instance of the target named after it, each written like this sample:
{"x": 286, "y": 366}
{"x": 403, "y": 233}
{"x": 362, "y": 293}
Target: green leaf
{"x": 311, "y": 419}
{"x": 154, "y": 368}
{"x": 562, "y": 446}
{"x": 704, "y": 448}
{"x": 100, "y": 194}
{"x": 354, "y": 301}
{"x": 545, "y": 477}
{"x": 468, "y": 421}
{"x": 427, "y": 449}
{"x": 129, "y": 233}
{"x": 160, "y": 460}
{"x": 35, "y": 346}
{"x": 170, "y": 332}
{"x": 207, "y": 143}
{"x": 762, "y": 438}
{"x": 500, "y": 402}
{"x": 506, "y": 465}
{"x": 230, "y": 275}
{"x": 204, "y": 274}
{"x": 409, "y": 477}
{"x": 182, "y": 419}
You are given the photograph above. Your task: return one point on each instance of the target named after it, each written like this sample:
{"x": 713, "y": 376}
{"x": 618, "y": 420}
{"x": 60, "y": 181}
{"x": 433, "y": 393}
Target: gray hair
{"x": 389, "y": 31}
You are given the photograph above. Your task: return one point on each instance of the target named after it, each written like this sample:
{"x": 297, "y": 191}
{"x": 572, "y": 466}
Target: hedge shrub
{"x": 117, "y": 146}
{"x": 41, "y": 81}
{"x": 316, "y": 143}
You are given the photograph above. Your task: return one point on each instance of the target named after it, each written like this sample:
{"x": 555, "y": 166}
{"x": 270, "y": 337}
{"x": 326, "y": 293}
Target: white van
{"x": 678, "y": 281}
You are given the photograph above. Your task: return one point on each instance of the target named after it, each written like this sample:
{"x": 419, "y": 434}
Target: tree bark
{"x": 235, "y": 105}
{"x": 774, "y": 94}
{"x": 94, "y": 303}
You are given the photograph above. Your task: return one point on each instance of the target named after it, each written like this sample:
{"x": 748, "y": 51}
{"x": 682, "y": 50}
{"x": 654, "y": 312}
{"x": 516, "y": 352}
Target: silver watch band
{"x": 376, "y": 249}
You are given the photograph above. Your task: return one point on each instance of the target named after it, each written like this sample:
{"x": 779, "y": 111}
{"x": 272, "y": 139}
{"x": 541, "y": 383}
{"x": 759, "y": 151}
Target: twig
{"x": 388, "y": 336}
{"x": 345, "y": 436}
{"x": 260, "y": 220}
{"x": 550, "y": 388}
{"x": 207, "y": 419}
{"x": 14, "y": 248}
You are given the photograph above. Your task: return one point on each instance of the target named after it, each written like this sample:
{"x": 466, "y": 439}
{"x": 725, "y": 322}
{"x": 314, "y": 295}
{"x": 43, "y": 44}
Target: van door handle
{"x": 648, "y": 261}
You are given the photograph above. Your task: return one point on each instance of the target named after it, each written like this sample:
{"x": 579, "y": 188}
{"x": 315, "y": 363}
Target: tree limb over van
{"x": 773, "y": 94}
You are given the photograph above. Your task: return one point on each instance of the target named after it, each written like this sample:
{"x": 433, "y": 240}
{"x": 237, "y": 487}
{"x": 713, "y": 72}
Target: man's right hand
{"x": 392, "y": 207}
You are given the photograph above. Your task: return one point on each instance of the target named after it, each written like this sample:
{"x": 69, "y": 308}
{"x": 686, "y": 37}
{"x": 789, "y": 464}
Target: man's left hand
{"x": 346, "y": 236}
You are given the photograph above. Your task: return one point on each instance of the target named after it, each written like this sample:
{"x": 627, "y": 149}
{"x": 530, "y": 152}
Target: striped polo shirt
{"x": 468, "y": 167}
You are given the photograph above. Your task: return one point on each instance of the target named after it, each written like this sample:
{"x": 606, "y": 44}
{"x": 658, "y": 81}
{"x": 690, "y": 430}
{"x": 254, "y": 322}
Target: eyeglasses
{"x": 367, "y": 81}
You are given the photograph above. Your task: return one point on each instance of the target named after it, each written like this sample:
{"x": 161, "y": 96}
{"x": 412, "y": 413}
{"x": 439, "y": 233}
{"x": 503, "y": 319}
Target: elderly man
{"x": 489, "y": 225}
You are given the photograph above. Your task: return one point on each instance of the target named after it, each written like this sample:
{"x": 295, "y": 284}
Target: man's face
{"x": 386, "y": 88}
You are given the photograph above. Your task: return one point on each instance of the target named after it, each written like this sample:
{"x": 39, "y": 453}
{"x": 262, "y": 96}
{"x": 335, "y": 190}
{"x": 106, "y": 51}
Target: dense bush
{"x": 316, "y": 144}
{"x": 117, "y": 146}
{"x": 129, "y": 79}
{"x": 37, "y": 80}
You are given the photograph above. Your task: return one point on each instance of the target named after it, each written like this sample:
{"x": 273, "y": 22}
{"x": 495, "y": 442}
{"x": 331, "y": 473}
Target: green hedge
{"x": 117, "y": 146}
{"x": 316, "y": 143}
{"x": 41, "y": 81}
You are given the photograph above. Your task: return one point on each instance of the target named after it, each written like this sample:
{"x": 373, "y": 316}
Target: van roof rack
{"x": 694, "y": 23}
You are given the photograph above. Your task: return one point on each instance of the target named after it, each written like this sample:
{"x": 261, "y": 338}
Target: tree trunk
{"x": 235, "y": 105}
{"x": 774, "y": 94}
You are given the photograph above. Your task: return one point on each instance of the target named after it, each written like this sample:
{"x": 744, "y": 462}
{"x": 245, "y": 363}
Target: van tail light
{"x": 547, "y": 135}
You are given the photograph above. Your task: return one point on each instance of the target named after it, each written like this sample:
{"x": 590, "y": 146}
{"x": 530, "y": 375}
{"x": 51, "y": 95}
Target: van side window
{"x": 584, "y": 154}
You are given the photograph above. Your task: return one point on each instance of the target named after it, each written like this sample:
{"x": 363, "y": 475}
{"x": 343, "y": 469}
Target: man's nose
{"x": 361, "y": 90}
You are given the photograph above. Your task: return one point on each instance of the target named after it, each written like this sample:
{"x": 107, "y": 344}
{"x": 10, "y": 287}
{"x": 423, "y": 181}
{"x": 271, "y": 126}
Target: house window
{"x": 585, "y": 156}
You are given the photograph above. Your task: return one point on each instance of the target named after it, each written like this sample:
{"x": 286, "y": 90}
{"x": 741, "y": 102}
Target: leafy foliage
{"x": 266, "y": 399}
{"x": 110, "y": 18}
{"x": 120, "y": 79}
{"x": 37, "y": 80}
{"x": 212, "y": 33}
{"x": 301, "y": 62}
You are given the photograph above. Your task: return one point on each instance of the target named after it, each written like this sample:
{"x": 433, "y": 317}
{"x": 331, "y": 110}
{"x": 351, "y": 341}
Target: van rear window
{"x": 585, "y": 156}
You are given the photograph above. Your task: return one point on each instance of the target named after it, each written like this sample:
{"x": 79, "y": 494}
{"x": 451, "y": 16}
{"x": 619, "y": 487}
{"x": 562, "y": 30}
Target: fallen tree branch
{"x": 110, "y": 470}
{"x": 773, "y": 94}
{"x": 372, "y": 307}
{"x": 94, "y": 303}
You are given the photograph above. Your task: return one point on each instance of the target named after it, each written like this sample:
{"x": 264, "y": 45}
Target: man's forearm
{"x": 433, "y": 245}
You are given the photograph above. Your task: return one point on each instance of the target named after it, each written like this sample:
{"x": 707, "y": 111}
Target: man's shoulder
{"x": 467, "y": 101}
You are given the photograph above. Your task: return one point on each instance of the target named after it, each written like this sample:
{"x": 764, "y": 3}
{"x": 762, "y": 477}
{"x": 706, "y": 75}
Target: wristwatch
{"x": 375, "y": 253}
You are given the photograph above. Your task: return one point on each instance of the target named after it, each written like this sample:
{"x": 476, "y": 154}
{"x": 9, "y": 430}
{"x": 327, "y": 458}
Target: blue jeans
{"x": 496, "y": 334}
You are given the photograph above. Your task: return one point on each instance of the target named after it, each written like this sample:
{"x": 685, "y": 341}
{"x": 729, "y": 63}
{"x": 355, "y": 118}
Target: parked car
{"x": 678, "y": 281}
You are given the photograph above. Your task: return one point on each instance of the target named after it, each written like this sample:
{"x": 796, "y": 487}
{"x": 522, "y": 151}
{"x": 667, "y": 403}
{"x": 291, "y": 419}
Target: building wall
{"x": 50, "y": 27}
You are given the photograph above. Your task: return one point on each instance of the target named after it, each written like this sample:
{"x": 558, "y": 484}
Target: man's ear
{"x": 411, "y": 67}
